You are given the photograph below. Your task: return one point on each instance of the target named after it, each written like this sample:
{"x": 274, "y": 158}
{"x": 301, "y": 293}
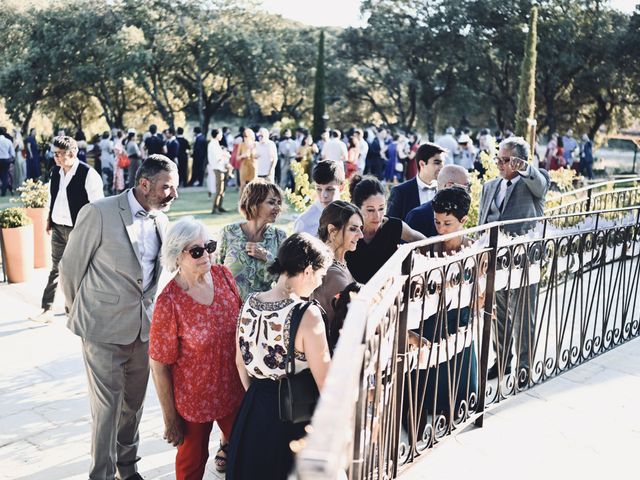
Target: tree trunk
{"x": 27, "y": 119}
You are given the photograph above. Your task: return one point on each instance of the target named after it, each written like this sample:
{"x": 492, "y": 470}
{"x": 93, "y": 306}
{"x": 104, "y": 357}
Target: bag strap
{"x": 296, "y": 318}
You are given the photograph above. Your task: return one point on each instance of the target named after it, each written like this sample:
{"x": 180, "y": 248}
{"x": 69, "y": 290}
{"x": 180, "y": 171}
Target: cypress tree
{"x": 527, "y": 90}
{"x": 318, "y": 94}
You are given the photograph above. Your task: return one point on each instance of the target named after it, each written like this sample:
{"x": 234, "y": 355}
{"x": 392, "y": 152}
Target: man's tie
{"x": 509, "y": 183}
{"x": 432, "y": 186}
{"x": 145, "y": 214}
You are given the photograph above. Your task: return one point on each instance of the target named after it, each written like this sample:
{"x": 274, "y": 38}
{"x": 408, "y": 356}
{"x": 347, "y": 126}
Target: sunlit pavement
{"x": 584, "y": 424}
{"x": 44, "y": 405}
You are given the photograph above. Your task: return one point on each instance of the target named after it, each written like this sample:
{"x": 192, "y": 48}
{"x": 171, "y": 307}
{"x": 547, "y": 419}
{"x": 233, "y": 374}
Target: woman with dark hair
{"x": 353, "y": 154}
{"x": 259, "y": 446}
{"x": 390, "y": 173}
{"x": 340, "y": 229}
{"x": 81, "y": 139}
{"x": 135, "y": 156}
{"x": 248, "y": 248}
{"x": 412, "y": 166}
{"x": 382, "y": 234}
{"x": 454, "y": 378}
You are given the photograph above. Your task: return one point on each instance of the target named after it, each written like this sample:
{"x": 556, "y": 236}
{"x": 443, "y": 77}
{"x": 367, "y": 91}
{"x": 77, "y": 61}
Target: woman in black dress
{"x": 382, "y": 234}
{"x": 260, "y": 441}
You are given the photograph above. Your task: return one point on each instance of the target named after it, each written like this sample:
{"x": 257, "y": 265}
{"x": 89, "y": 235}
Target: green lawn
{"x": 195, "y": 201}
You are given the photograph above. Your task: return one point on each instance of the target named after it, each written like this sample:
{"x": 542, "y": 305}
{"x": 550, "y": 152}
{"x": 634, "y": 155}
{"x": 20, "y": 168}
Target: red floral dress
{"x": 198, "y": 342}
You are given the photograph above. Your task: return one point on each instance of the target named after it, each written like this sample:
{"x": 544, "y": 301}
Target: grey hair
{"x": 518, "y": 146}
{"x": 452, "y": 174}
{"x": 181, "y": 234}
{"x": 153, "y": 165}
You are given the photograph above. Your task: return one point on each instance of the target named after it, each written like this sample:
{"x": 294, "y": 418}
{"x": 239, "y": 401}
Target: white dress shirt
{"x": 334, "y": 149}
{"x": 6, "y": 148}
{"x": 61, "y": 214}
{"x": 502, "y": 192}
{"x": 148, "y": 239}
{"x": 267, "y": 155}
{"x": 364, "y": 149}
{"x": 426, "y": 192}
{"x": 218, "y": 159}
{"x": 309, "y": 221}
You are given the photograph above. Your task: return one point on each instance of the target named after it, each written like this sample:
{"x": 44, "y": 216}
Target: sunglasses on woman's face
{"x": 197, "y": 251}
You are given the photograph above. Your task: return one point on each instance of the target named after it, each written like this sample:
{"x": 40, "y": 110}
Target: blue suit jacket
{"x": 422, "y": 219}
{"x": 403, "y": 199}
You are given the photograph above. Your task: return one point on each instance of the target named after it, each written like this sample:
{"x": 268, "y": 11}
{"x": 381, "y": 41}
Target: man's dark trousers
{"x": 59, "y": 239}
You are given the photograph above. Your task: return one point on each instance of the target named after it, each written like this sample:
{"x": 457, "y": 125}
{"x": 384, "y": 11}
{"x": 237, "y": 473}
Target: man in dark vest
{"x": 73, "y": 185}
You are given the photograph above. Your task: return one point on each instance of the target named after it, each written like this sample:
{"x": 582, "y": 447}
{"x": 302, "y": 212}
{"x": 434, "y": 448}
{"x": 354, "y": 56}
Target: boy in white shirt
{"x": 328, "y": 177}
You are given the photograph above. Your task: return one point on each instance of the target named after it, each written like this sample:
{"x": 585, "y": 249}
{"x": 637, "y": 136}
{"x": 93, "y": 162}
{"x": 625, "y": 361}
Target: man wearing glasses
{"x": 518, "y": 194}
{"x": 109, "y": 274}
{"x": 422, "y": 218}
{"x": 520, "y": 191}
{"x": 73, "y": 185}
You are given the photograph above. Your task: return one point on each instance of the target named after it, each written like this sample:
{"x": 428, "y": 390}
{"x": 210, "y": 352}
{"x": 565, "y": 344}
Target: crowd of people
{"x": 217, "y": 337}
{"x": 220, "y": 158}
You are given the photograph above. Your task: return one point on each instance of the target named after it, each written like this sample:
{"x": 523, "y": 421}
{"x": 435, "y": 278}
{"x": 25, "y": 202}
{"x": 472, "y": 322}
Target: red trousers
{"x": 193, "y": 454}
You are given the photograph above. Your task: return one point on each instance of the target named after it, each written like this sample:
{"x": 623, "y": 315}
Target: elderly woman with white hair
{"x": 192, "y": 348}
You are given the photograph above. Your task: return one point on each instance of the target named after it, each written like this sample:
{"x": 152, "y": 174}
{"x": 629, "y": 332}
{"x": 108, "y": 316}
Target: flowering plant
{"x": 33, "y": 194}
{"x": 301, "y": 197}
{"x": 563, "y": 178}
{"x": 491, "y": 171}
{"x": 13, "y": 218}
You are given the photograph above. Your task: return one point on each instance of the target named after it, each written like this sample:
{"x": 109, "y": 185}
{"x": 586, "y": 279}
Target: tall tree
{"x": 527, "y": 91}
{"x": 23, "y": 74}
{"x": 319, "y": 92}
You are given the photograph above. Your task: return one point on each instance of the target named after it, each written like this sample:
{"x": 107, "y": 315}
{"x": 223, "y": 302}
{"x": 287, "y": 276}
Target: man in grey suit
{"x": 519, "y": 193}
{"x": 109, "y": 274}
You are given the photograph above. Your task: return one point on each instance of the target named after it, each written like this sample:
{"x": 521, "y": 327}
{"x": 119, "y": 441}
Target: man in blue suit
{"x": 422, "y": 218}
{"x": 419, "y": 190}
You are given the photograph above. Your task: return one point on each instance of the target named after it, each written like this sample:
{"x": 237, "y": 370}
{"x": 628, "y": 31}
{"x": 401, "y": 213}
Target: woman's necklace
{"x": 340, "y": 263}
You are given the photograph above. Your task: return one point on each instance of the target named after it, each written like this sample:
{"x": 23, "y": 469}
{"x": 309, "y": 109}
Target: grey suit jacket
{"x": 101, "y": 276}
{"x": 525, "y": 200}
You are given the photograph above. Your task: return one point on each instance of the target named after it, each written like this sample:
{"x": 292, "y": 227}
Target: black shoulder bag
{"x": 297, "y": 392}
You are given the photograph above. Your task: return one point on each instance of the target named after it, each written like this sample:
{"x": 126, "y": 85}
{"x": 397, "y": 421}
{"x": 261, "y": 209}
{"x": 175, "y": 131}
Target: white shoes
{"x": 46, "y": 317}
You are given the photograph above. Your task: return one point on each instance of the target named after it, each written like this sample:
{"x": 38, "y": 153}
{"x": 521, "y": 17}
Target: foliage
{"x": 13, "y": 217}
{"x": 563, "y": 178}
{"x": 491, "y": 171}
{"x": 527, "y": 91}
{"x": 33, "y": 194}
{"x": 318, "y": 92}
{"x": 415, "y": 64}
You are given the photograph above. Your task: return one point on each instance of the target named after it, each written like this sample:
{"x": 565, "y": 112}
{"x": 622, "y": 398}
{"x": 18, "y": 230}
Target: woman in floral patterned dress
{"x": 248, "y": 248}
{"x": 192, "y": 348}
{"x": 259, "y": 446}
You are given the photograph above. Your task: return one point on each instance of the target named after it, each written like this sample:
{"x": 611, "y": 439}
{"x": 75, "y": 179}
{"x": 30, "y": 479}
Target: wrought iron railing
{"x": 535, "y": 305}
{"x": 597, "y": 196}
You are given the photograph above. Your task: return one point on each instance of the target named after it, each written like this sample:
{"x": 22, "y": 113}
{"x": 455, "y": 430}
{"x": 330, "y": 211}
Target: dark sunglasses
{"x": 197, "y": 251}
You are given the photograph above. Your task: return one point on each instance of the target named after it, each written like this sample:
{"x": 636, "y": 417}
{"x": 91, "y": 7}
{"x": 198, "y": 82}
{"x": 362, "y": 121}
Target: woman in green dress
{"x": 248, "y": 248}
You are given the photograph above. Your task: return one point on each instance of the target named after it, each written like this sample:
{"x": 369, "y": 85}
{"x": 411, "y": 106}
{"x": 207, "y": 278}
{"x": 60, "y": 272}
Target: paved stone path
{"x": 584, "y": 424}
{"x": 44, "y": 405}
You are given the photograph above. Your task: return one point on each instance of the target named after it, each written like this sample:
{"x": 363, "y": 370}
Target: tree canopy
{"x": 415, "y": 64}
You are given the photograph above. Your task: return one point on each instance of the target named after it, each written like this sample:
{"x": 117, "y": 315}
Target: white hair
{"x": 182, "y": 233}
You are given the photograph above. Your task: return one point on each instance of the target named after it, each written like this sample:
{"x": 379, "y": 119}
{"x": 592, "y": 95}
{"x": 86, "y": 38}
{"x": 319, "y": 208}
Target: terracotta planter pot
{"x": 18, "y": 253}
{"x": 42, "y": 241}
